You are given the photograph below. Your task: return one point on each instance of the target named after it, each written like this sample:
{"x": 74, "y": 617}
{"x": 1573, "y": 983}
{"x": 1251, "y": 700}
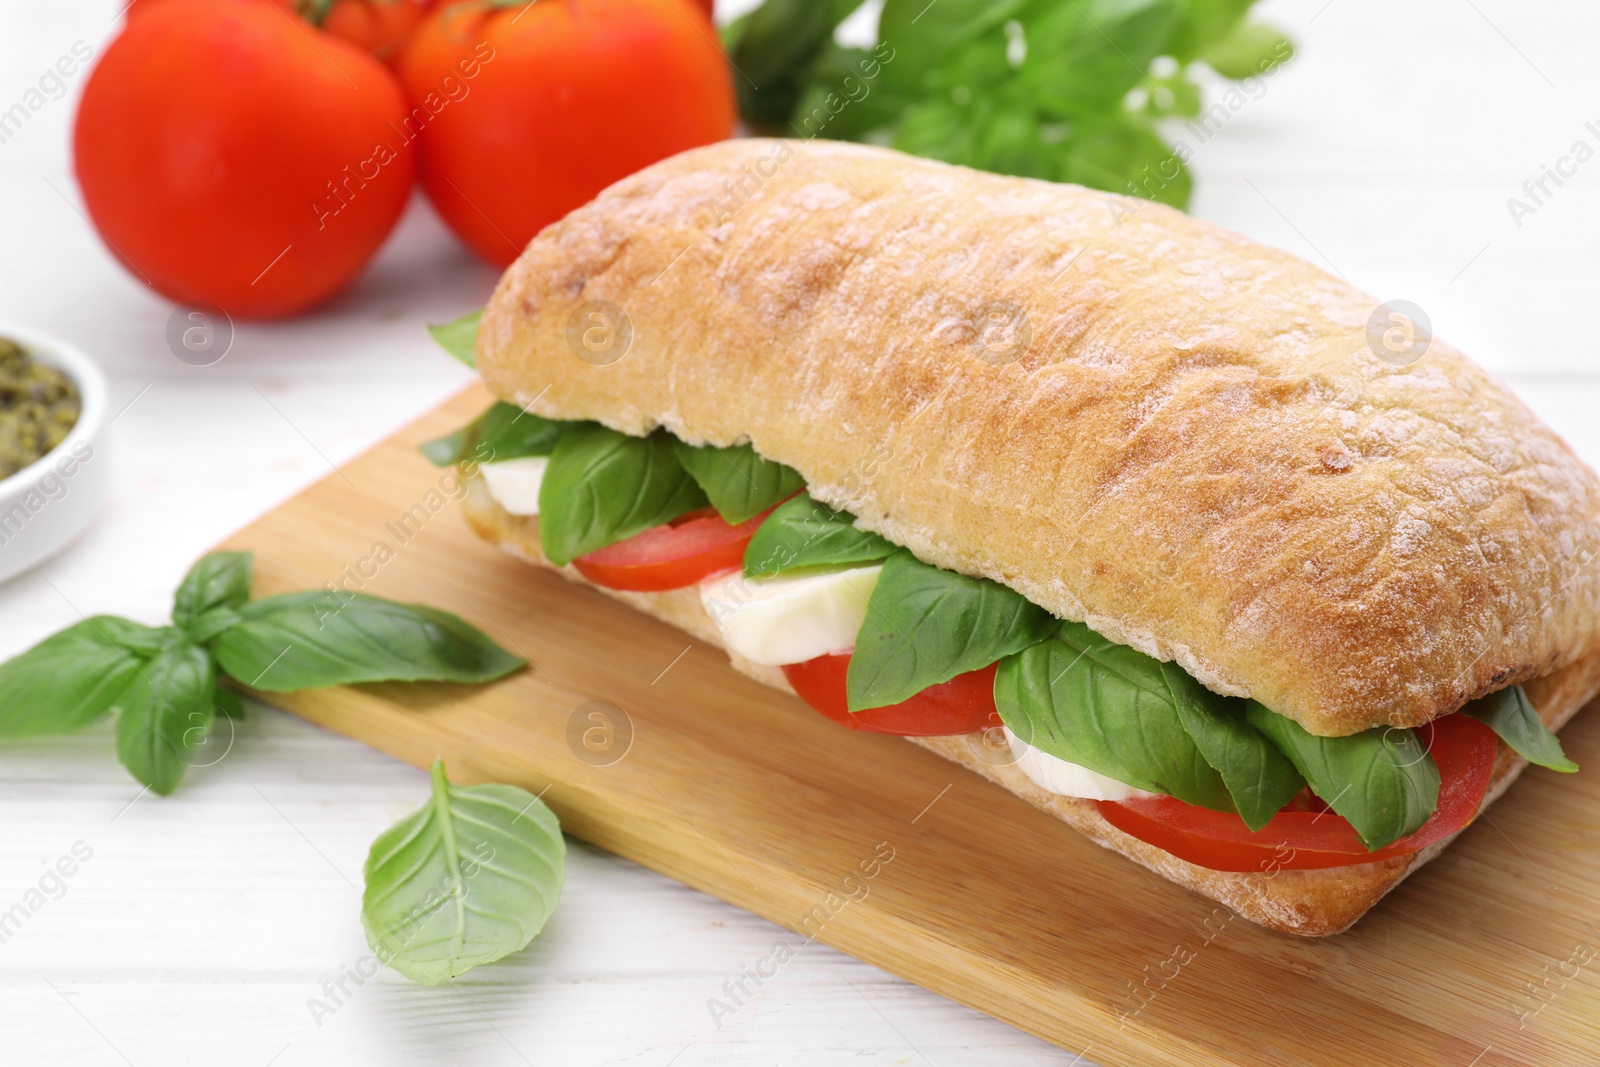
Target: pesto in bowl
{"x": 39, "y": 406}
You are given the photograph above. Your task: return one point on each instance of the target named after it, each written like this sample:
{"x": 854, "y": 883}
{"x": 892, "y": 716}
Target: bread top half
{"x": 1133, "y": 418}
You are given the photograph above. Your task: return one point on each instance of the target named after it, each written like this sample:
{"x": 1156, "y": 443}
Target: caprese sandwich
{"x": 1112, "y": 506}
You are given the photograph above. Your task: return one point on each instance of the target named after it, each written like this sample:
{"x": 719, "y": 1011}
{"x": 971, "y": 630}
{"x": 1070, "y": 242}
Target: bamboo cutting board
{"x": 652, "y": 747}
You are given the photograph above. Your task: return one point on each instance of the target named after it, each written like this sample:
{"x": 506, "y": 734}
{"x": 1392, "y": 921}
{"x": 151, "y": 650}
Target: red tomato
{"x": 230, "y": 155}
{"x": 963, "y": 705}
{"x": 1463, "y": 748}
{"x": 683, "y": 552}
{"x": 524, "y": 112}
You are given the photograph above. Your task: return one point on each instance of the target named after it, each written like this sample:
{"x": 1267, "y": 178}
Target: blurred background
{"x": 1439, "y": 152}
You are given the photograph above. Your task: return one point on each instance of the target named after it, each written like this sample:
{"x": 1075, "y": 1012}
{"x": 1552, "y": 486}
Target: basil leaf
{"x": 506, "y": 431}
{"x": 229, "y": 705}
{"x": 804, "y": 533}
{"x": 1260, "y": 779}
{"x": 775, "y": 44}
{"x": 1206, "y": 21}
{"x": 732, "y": 35}
{"x": 925, "y": 626}
{"x": 503, "y": 432}
{"x": 450, "y": 449}
{"x": 468, "y": 878}
{"x": 210, "y": 624}
{"x": 1084, "y": 56}
{"x": 938, "y": 129}
{"x": 459, "y": 337}
{"x": 1252, "y": 48}
{"x": 844, "y": 98}
{"x": 135, "y": 637}
{"x": 164, "y": 713}
{"x": 1509, "y": 714}
{"x": 1012, "y": 143}
{"x": 312, "y": 640}
{"x": 218, "y": 580}
{"x": 839, "y": 10}
{"x": 739, "y": 483}
{"x": 603, "y": 486}
{"x": 69, "y": 679}
{"x": 1107, "y": 707}
{"x": 1123, "y": 155}
{"x": 781, "y": 50}
{"x": 1382, "y": 780}
{"x": 923, "y": 35}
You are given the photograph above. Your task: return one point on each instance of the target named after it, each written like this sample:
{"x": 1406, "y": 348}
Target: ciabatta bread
{"x": 1132, "y": 417}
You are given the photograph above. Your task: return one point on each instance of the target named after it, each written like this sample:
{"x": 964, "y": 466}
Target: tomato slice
{"x": 963, "y": 705}
{"x": 685, "y": 551}
{"x": 1463, "y": 748}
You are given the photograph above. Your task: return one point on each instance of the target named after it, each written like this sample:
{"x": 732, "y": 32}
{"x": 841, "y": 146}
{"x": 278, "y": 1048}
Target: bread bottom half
{"x": 1309, "y": 903}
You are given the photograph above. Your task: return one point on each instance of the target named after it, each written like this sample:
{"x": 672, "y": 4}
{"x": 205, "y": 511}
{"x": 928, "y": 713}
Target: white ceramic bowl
{"x": 46, "y": 505}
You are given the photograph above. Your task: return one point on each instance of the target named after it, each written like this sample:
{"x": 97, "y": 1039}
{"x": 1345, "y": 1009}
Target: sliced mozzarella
{"x": 514, "y": 483}
{"x": 789, "y": 619}
{"x": 1068, "y": 779}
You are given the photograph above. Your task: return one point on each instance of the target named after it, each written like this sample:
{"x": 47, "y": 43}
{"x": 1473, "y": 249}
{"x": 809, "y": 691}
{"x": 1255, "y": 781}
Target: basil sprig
{"x": 1510, "y": 714}
{"x": 603, "y": 487}
{"x": 503, "y": 432}
{"x": 739, "y": 483}
{"x": 1107, "y": 707}
{"x": 925, "y": 626}
{"x": 1382, "y": 780}
{"x": 804, "y": 533}
{"x": 1067, "y": 90}
{"x": 468, "y": 878}
{"x": 162, "y": 681}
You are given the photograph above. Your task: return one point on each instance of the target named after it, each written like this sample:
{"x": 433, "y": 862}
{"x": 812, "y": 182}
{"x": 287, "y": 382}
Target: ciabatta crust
{"x": 1130, "y": 416}
{"x": 1308, "y": 903}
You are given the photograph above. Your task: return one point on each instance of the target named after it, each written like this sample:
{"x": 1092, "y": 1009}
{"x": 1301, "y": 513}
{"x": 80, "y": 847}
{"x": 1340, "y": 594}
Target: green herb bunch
{"x": 163, "y": 681}
{"x": 1066, "y": 90}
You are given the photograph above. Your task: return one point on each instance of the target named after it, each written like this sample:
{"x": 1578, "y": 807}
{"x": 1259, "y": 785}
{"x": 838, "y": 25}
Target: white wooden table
{"x": 203, "y": 924}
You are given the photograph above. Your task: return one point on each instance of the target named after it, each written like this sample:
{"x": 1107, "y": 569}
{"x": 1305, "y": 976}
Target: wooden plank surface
{"x": 748, "y": 795}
